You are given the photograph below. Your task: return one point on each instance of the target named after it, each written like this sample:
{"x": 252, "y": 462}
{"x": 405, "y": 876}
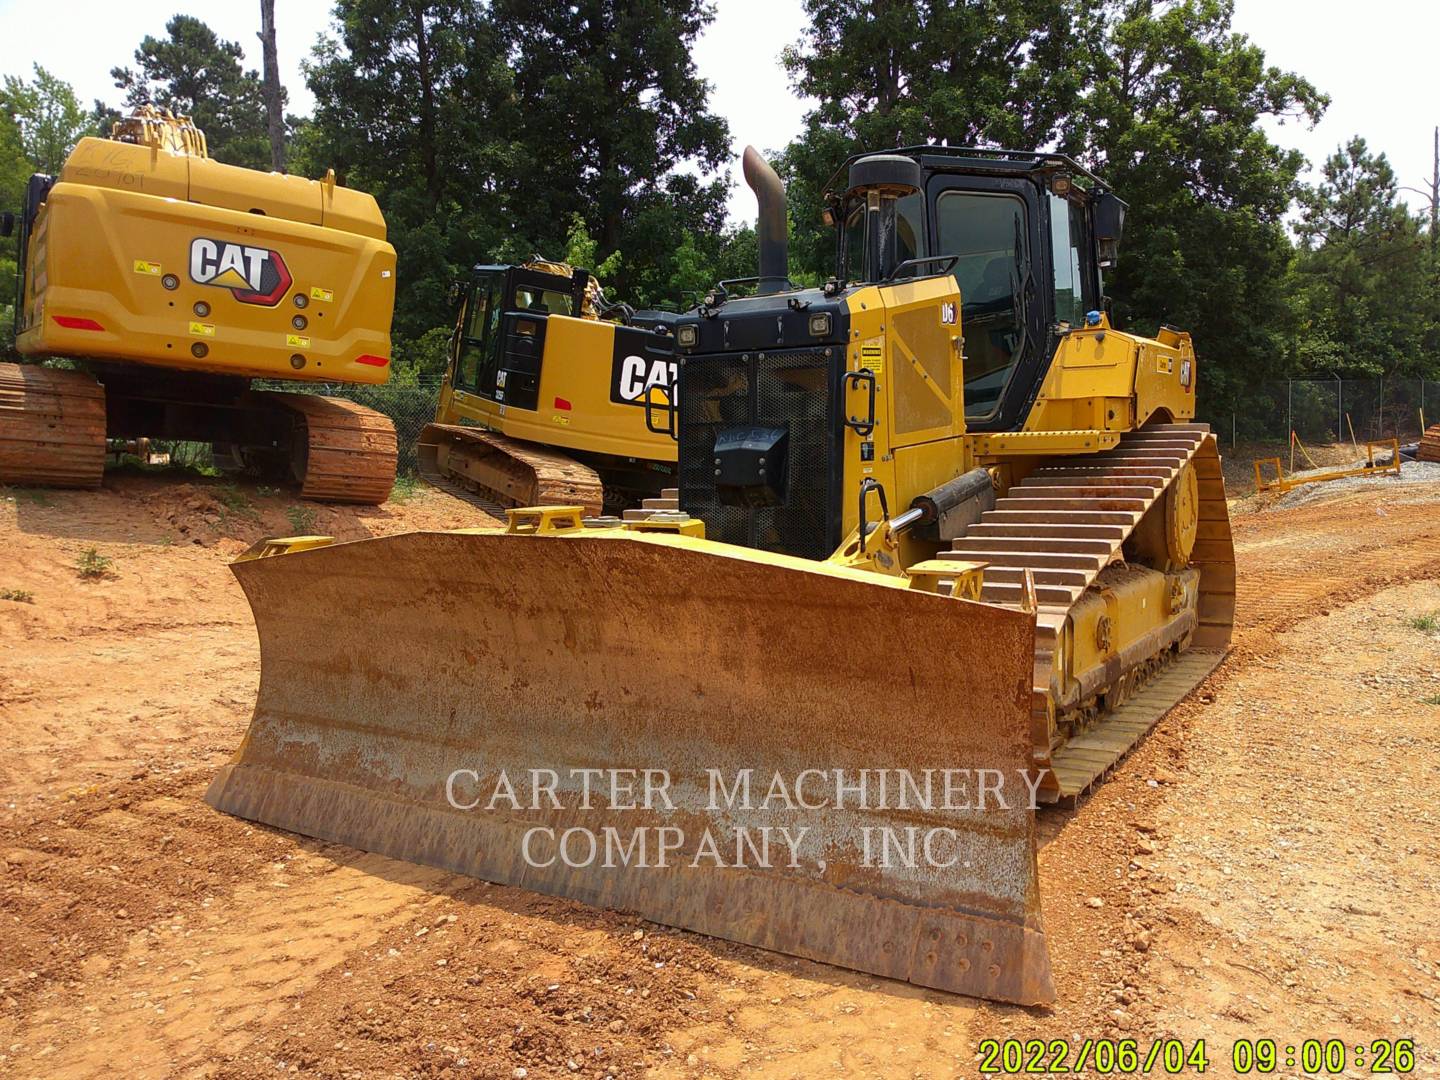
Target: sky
{"x": 1375, "y": 60}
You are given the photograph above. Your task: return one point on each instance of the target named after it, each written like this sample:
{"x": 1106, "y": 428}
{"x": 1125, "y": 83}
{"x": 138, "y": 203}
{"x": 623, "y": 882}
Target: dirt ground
{"x": 1264, "y": 865}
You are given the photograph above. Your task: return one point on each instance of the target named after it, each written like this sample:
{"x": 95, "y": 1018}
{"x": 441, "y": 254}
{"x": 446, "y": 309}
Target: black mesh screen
{"x": 784, "y": 388}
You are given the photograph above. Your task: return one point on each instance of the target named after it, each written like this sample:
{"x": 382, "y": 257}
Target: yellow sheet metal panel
{"x": 120, "y": 166}
{"x": 1165, "y": 377}
{"x": 1104, "y": 379}
{"x": 908, "y": 337}
{"x": 351, "y": 211}
{"x": 922, "y": 346}
{"x": 116, "y": 272}
{"x": 253, "y": 192}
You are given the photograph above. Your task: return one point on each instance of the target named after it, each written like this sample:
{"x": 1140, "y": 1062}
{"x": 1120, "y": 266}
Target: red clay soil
{"x": 1263, "y": 865}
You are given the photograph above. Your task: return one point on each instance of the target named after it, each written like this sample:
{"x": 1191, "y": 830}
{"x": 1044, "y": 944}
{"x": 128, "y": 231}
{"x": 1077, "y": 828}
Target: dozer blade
{"x": 393, "y": 667}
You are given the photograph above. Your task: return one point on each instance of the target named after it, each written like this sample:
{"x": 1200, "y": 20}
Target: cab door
{"x": 477, "y": 344}
{"x": 531, "y": 298}
{"x": 992, "y": 224}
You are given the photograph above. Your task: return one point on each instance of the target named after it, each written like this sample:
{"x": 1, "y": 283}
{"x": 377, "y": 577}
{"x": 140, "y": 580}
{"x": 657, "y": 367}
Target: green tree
{"x": 48, "y": 116}
{"x": 890, "y": 73}
{"x": 413, "y": 103}
{"x": 1365, "y": 279}
{"x": 15, "y": 169}
{"x": 615, "y": 128}
{"x": 15, "y": 166}
{"x": 193, "y": 72}
{"x": 1172, "y": 120}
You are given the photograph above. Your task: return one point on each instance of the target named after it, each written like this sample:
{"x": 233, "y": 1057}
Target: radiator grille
{"x": 784, "y": 388}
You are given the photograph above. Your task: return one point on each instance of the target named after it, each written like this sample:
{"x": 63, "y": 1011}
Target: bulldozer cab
{"x": 959, "y": 274}
{"x": 1025, "y": 237}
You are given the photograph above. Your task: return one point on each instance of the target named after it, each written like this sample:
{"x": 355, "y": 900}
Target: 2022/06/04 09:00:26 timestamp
{"x": 1313, "y": 1056}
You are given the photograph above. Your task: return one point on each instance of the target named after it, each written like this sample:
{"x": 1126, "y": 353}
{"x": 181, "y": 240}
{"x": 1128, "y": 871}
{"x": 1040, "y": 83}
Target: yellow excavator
{"x": 174, "y": 280}
{"x": 553, "y": 395}
{"x": 949, "y": 543}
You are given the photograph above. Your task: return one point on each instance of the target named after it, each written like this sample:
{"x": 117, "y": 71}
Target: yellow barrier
{"x": 1281, "y": 482}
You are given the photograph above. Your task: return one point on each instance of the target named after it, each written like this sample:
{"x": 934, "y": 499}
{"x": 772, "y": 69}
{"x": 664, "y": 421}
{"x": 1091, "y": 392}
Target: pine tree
{"x": 195, "y": 73}
{"x": 615, "y": 127}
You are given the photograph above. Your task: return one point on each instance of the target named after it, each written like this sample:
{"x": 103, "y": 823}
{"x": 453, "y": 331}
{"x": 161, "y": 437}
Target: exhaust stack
{"x": 772, "y": 230}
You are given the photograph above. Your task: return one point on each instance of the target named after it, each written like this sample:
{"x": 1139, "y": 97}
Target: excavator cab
{"x": 559, "y": 379}
{"x": 499, "y": 342}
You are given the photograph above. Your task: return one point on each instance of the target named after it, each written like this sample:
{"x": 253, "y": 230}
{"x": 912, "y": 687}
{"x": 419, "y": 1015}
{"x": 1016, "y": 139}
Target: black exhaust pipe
{"x": 773, "y": 229}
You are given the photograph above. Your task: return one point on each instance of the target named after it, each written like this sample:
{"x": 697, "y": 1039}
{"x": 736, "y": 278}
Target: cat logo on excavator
{"x": 633, "y": 376}
{"x": 254, "y": 275}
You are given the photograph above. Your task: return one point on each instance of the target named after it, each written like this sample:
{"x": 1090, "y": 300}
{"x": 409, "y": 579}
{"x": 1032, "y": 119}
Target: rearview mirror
{"x": 1109, "y": 224}
{"x": 7, "y": 223}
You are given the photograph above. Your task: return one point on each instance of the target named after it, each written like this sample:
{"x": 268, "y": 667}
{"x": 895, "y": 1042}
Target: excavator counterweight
{"x": 174, "y": 280}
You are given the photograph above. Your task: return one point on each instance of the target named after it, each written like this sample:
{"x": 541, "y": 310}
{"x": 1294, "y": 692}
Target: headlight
{"x": 820, "y": 325}
{"x": 688, "y": 335}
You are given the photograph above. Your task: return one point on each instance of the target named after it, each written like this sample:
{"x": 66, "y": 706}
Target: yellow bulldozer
{"x": 553, "y": 395}
{"x": 948, "y": 544}
{"x": 175, "y": 280}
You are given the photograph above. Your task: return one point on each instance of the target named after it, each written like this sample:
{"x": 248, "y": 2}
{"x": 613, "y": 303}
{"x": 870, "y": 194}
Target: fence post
{"x": 1289, "y": 391}
{"x": 1339, "y": 409}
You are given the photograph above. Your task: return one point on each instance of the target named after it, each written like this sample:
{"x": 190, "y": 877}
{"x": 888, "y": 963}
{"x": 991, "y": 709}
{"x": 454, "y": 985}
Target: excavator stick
{"x": 810, "y": 759}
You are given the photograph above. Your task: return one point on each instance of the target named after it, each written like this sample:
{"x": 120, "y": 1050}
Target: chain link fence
{"x": 1330, "y": 411}
{"x": 1319, "y": 411}
{"x": 408, "y": 402}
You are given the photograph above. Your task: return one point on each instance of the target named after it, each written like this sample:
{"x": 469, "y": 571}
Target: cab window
{"x": 855, "y": 244}
{"x": 987, "y": 233}
{"x": 1067, "y": 238}
{"x": 544, "y": 301}
{"x": 908, "y": 240}
{"x": 479, "y": 329}
{"x": 909, "y": 232}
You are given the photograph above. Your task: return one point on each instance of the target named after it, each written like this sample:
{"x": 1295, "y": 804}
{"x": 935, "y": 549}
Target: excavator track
{"x": 342, "y": 452}
{"x": 1066, "y": 523}
{"x": 52, "y": 427}
{"x": 493, "y": 471}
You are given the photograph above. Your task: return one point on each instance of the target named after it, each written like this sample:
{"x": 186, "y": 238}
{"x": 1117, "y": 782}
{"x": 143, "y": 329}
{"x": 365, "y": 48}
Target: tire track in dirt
{"x": 169, "y": 933}
{"x": 1110, "y": 913}
{"x": 1300, "y": 562}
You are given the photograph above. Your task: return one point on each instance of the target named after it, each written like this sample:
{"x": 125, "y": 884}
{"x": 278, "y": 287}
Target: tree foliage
{"x": 516, "y": 122}
{"x": 40, "y": 123}
{"x": 48, "y": 117}
{"x": 1366, "y": 283}
{"x": 14, "y": 170}
{"x": 194, "y": 72}
{"x": 413, "y": 102}
{"x": 1172, "y": 121}
{"x": 614, "y": 126}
